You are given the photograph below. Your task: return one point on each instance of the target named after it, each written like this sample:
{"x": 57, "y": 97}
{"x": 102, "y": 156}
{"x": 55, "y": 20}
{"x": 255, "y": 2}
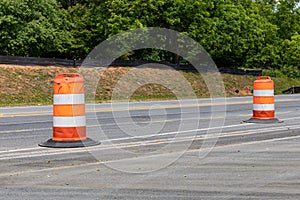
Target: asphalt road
{"x": 192, "y": 149}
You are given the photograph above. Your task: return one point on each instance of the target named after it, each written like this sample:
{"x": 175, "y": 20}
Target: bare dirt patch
{"x": 32, "y": 85}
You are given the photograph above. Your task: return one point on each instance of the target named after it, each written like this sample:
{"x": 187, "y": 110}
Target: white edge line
{"x": 135, "y": 158}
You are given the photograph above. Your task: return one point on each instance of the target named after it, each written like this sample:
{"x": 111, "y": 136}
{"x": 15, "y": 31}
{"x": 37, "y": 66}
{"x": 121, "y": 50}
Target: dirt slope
{"x": 32, "y": 85}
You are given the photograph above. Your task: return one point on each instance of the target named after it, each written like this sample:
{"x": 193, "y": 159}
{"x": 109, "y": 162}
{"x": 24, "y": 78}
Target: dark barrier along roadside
{"x": 37, "y": 61}
{"x": 292, "y": 90}
{"x": 18, "y": 60}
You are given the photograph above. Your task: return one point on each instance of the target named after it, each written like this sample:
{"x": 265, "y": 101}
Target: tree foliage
{"x": 32, "y": 28}
{"x": 236, "y": 33}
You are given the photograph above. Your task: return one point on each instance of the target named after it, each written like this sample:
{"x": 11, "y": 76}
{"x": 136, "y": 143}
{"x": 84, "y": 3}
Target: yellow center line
{"x": 31, "y": 114}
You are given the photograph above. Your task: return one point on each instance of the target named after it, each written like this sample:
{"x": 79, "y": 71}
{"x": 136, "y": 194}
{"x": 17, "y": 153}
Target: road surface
{"x": 192, "y": 149}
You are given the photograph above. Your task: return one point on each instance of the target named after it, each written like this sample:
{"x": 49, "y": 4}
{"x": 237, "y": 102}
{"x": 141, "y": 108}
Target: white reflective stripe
{"x": 69, "y": 121}
{"x": 59, "y": 99}
{"x": 263, "y": 106}
{"x": 263, "y": 93}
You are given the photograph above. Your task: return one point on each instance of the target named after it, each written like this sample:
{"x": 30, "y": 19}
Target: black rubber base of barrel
{"x": 263, "y": 121}
{"x": 70, "y": 144}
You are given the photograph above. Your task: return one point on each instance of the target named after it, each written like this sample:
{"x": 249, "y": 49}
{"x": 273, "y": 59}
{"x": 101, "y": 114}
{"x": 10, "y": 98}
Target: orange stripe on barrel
{"x": 67, "y": 88}
{"x": 69, "y": 133}
{"x": 263, "y": 100}
{"x": 69, "y": 110}
{"x": 257, "y": 114}
{"x": 68, "y": 84}
{"x": 263, "y": 86}
{"x": 263, "y": 83}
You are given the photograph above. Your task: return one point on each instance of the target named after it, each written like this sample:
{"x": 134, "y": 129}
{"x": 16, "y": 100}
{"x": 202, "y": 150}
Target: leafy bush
{"x": 286, "y": 71}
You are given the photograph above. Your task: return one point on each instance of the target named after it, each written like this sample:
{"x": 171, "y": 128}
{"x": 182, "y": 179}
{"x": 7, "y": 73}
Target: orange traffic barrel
{"x": 263, "y": 101}
{"x": 69, "y": 122}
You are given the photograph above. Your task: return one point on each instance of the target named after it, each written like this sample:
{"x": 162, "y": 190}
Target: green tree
{"x": 120, "y": 15}
{"x": 84, "y": 16}
{"x": 287, "y": 18}
{"x": 32, "y": 28}
{"x": 81, "y": 18}
{"x": 70, "y": 3}
{"x": 233, "y": 31}
{"x": 235, "y": 34}
{"x": 291, "y": 52}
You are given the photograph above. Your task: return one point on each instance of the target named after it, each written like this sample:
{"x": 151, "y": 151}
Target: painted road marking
{"x": 37, "y": 152}
{"x": 140, "y": 157}
{"x": 158, "y": 121}
{"x": 161, "y": 134}
{"x": 25, "y": 130}
{"x": 136, "y": 108}
{"x": 102, "y": 125}
{"x": 112, "y": 124}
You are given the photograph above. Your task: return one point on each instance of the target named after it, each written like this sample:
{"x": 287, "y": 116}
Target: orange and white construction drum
{"x": 69, "y": 122}
{"x": 263, "y": 101}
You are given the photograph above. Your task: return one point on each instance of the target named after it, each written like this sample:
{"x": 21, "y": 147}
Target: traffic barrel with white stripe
{"x": 263, "y": 101}
{"x": 69, "y": 122}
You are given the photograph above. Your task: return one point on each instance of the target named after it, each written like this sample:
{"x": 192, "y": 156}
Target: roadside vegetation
{"x": 33, "y": 85}
{"x": 248, "y": 34}
{"x": 260, "y": 34}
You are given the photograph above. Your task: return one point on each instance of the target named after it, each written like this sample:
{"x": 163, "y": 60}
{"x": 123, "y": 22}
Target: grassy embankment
{"x": 25, "y": 85}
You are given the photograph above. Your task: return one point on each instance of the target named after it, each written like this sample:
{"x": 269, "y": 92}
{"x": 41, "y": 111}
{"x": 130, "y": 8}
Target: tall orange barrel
{"x": 263, "y": 100}
{"x": 69, "y": 122}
